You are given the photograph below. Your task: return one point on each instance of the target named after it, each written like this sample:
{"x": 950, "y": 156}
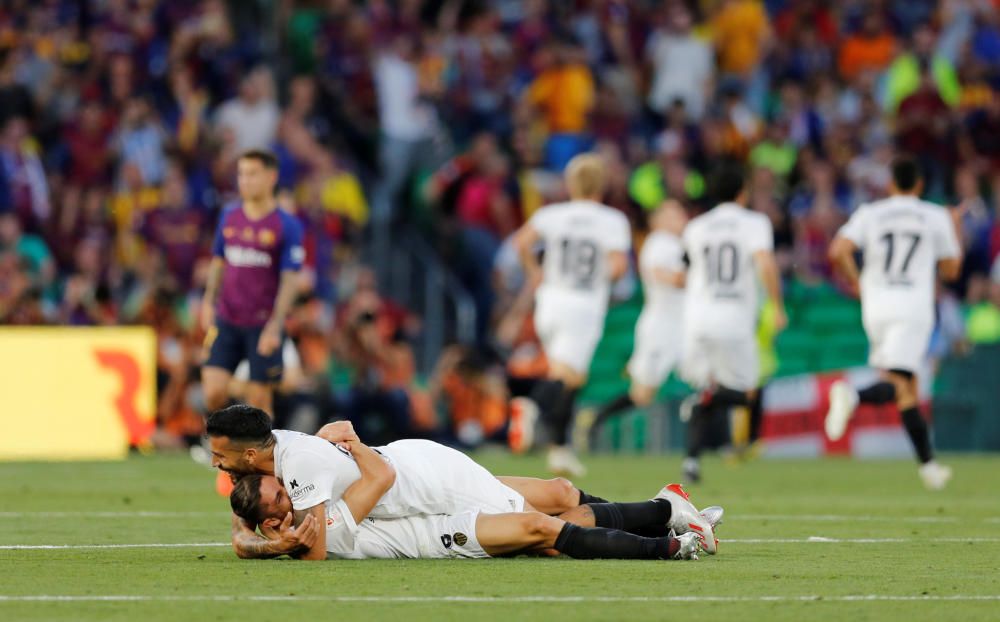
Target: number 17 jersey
{"x": 722, "y": 296}
{"x": 902, "y": 239}
{"x": 578, "y": 236}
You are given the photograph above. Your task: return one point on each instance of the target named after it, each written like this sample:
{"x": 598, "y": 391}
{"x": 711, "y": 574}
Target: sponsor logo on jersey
{"x": 299, "y": 491}
{"x": 294, "y": 483}
{"x": 243, "y": 257}
{"x": 460, "y": 538}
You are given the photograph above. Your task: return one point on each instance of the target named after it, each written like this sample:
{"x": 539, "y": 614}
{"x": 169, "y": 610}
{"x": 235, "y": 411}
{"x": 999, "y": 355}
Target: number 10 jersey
{"x": 902, "y": 239}
{"x": 722, "y": 298}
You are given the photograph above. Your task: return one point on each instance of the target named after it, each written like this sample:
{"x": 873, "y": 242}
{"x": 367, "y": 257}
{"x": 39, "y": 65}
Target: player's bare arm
{"x": 525, "y": 241}
{"x": 270, "y": 337}
{"x": 338, "y": 432}
{"x": 617, "y": 265}
{"x": 669, "y": 277}
{"x": 211, "y": 296}
{"x": 767, "y": 267}
{"x": 841, "y": 255}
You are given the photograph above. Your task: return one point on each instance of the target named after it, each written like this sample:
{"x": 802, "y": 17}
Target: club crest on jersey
{"x": 228, "y": 232}
{"x": 266, "y": 237}
{"x": 460, "y": 538}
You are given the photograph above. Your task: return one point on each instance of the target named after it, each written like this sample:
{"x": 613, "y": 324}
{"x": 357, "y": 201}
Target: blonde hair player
{"x": 585, "y": 249}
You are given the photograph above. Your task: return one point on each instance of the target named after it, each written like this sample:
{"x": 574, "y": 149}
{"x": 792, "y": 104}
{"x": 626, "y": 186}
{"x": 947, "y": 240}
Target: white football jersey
{"x": 664, "y": 251}
{"x": 721, "y": 298}
{"x": 902, "y": 239}
{"x": 578, "y": 236}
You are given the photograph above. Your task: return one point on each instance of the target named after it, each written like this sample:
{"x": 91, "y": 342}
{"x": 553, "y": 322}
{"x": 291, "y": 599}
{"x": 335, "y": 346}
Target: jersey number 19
{"x": 578, "y": 262}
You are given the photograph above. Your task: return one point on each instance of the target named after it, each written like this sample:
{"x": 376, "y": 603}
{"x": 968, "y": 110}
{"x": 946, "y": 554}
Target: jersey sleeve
{"x": 310, "y": 479}
{"x": 854, "y": 228}
{"x": 341, "y": 530}
{"x": 762, "y": 238}
{"x": 620, "y": 234}
{"x": 219, "y": 241}
{"x": 541, "y": 221}
{"x": 292, "y": 251}
{"x": 946, "y": 244}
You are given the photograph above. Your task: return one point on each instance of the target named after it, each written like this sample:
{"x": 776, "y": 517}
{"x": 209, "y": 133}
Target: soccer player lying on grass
{"x": 350, "y": 534}
{"x": 431, "y": 479}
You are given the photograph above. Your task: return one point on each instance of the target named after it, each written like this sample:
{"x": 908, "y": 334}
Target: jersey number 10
{"x": 722, "y": 263}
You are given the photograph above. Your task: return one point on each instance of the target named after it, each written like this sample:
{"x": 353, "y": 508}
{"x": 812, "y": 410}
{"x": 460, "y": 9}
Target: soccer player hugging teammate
{"x": 414, "y": 498}
{"x": 586, "y": 245}
{"x": 251, "y": 286}
{"x": 727, "y": 247}
{"x": 905, "y": 243}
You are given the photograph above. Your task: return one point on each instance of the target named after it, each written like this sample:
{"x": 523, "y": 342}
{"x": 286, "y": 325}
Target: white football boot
{"x": 713, "y": 514}
{"x": 690, "y": 546}
{"x": 562, "y": 461}
{"x": 934, "y": 475}
{"x": 843, "y": 402}
{"x": 684, "y": 517}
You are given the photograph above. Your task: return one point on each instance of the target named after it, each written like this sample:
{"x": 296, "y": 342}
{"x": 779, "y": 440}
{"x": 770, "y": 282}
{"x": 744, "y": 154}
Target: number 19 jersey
{"x": 578, "y": 236}
{"x": 902, "y": 239}
{"x": 722, "y": 284}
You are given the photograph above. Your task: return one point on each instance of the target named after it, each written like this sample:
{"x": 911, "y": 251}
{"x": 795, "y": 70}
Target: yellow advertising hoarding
{"x": 75, "y": 393}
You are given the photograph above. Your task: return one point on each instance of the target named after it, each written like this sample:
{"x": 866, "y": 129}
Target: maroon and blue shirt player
{"x": 256, "y": 250}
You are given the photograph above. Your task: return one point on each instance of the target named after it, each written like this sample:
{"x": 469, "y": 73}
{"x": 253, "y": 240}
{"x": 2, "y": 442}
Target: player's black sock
{"x": 724, "y": 397}
{"x": 562, "y": 414}
{"x": 920, "y": 436}
{"x": 601, "y": 543}
{"x": 629, "y": 516}
{"x": 879, "y": 393}
{"x": 546, "y": 395}
{"x": 586, "y": 499}
{"x": 612, "y": 408}
{"x": 756, "y": 415}
{"x": 697, "y": 427}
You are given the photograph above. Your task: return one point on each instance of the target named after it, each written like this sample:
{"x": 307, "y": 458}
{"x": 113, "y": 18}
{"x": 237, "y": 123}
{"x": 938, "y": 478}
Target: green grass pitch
{"x": 802, "y": 540}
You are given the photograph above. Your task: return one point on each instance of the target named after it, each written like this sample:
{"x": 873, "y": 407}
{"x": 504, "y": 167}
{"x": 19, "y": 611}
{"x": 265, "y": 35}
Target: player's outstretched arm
{"x": 617, "y": 265}
{"x": 525, "y": 241}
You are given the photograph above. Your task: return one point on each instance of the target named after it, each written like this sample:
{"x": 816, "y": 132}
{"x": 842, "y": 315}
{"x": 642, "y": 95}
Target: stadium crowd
{"x": 121, "y": 121}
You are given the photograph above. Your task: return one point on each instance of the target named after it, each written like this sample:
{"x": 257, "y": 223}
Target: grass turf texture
{"x": 99, "y": 503}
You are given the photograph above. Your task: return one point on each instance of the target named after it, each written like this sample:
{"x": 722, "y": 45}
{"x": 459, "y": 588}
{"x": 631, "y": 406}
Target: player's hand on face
{"x": 338, "y": 432}
{"x": 270, "y": 339}
{"x": 297, "y": 537}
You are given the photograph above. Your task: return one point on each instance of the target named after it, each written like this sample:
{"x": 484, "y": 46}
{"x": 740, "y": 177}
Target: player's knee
{"x": 564, "y": 493}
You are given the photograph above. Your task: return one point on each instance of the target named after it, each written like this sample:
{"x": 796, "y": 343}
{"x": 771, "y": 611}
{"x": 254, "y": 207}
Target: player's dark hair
{"x": 727, "y": 183}
{"x": 245, "y": 498}
{"x": 905, "y": 173}
{"x": 266, "y": 158}
{"x": 240, "y": 422}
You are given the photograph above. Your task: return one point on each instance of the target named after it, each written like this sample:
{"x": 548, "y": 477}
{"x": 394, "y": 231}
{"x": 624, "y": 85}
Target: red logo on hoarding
{"x": 127, "y": 368}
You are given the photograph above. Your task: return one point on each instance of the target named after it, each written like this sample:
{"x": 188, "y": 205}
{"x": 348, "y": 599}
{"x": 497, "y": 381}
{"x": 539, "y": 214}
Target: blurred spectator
{"x": 25, "y": 183}
{"x": 682, "y": 65}
{"x": 908, "y": 73}
{"x": 563, "y": 93}
{"x": 870, "y": 49}
{"x": 252, "y": 117}
{"x": 982, "y": 319}
{"x": 473, "y": 391}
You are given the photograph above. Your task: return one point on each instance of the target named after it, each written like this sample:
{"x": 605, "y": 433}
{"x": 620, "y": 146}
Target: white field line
{"x": 133, "y": 514}
{"x": 506, "y": 599}
{"x": 809, "y": 540}
{"x": 832, "y": 518}
{"x": 155, "y": 545}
